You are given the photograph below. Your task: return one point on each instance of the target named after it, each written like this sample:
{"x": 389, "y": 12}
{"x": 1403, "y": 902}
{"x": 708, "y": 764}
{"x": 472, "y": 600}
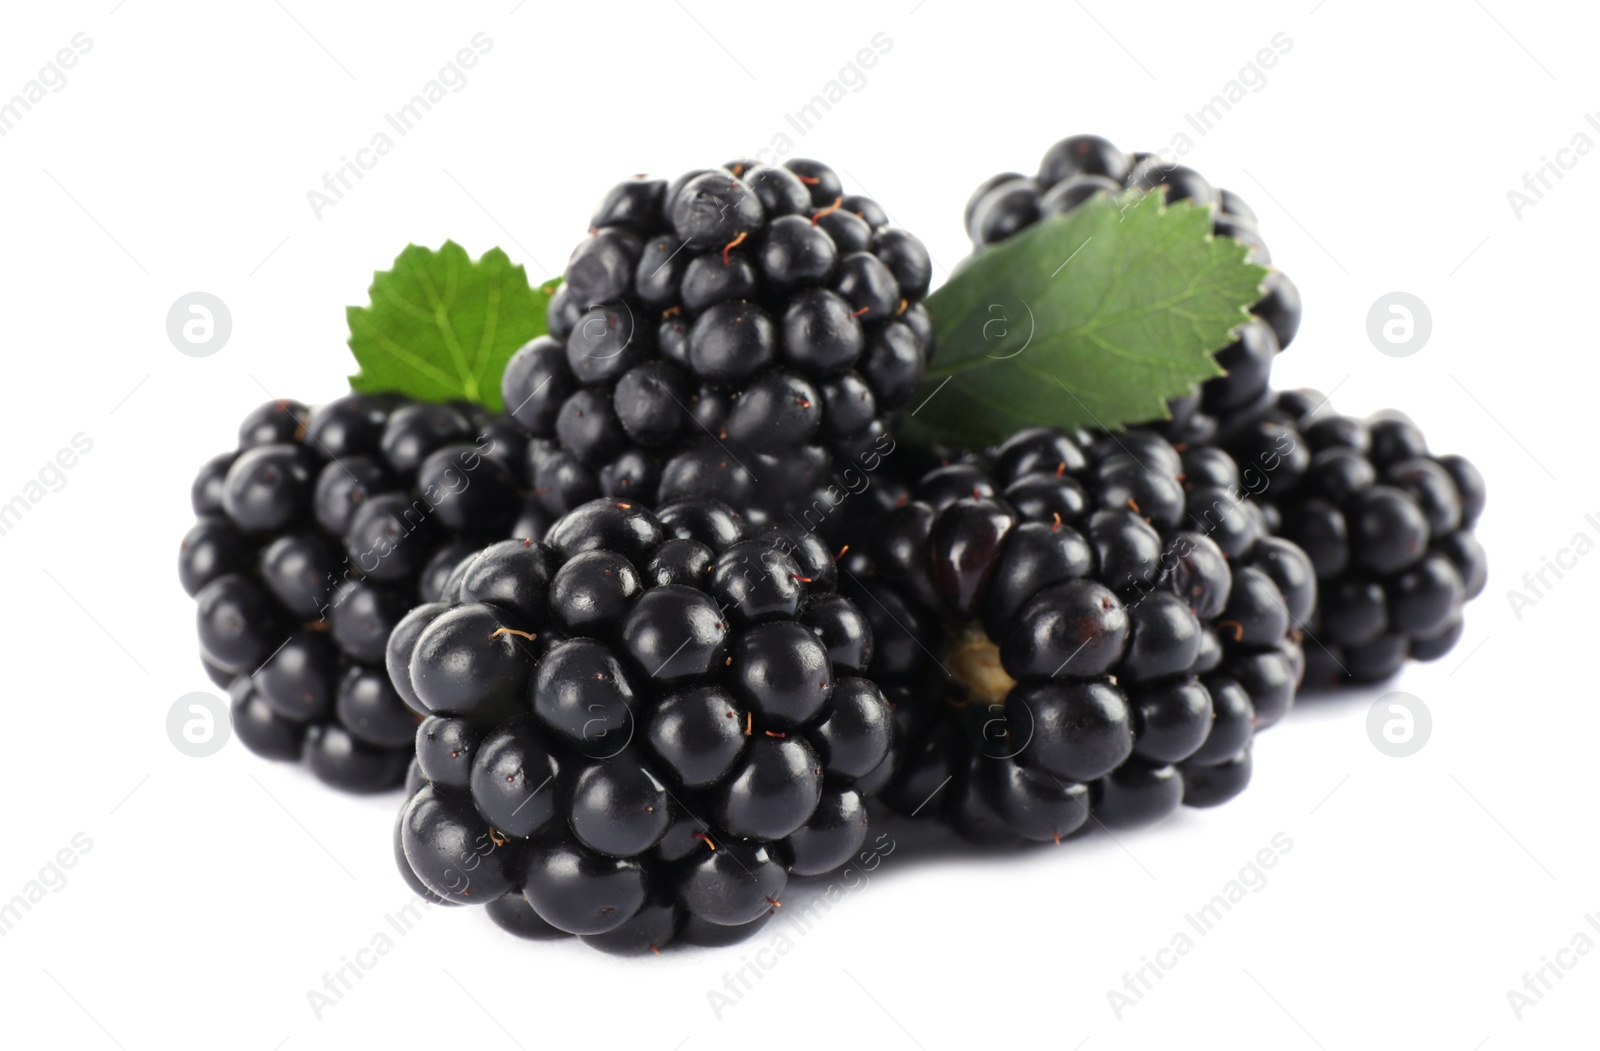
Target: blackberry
{"x": 1076, "y": 169}
{"x": 313, "y": 539}
{"x": 1388, "y": 527}
{"x": 1077, "y": 625}
{"x": 646, "y": 719}
{"x": 742, "y": 334}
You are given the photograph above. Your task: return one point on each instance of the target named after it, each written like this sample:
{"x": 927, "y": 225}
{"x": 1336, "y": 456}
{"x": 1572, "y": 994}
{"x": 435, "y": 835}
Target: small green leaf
{"x": 1090, "y": 319}
{"x": 441, "y": 327}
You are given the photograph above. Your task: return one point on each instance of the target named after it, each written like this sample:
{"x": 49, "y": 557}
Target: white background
{"x": 218, "y": 891}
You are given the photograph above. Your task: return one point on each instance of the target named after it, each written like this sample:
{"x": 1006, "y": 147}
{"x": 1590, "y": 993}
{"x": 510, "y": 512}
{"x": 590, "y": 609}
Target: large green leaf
{"x": 1091, "y": 319}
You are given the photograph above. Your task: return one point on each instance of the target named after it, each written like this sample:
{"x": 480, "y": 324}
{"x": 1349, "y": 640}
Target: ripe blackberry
{"x": 1077, "y": 625}
{"x": 313, "y": 539}
{"x": 645, "y": 718}
{"x": 1077, "y": 168}
{"x": 742, "y": 334}
{"x": 1388, "y": 527}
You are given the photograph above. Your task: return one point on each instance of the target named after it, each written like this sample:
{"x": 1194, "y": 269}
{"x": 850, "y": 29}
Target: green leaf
{"x": 1090, "y": 319}
{"x": 441, "y": 327}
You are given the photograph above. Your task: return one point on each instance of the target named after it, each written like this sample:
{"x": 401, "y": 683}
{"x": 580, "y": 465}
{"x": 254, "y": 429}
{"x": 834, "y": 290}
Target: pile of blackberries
{"x": 640, "y": 652}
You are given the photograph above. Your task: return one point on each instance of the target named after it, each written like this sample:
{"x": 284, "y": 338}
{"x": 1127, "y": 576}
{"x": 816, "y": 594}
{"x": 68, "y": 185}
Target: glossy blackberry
{"x": 650, "y": 716}
{"x": 1076, "y": 624}
{"x": 1082, "y": 166}
{"x": 1388, "y": 527}
{"x": 314, "y": 539}
{"x": 746, "y": 334}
